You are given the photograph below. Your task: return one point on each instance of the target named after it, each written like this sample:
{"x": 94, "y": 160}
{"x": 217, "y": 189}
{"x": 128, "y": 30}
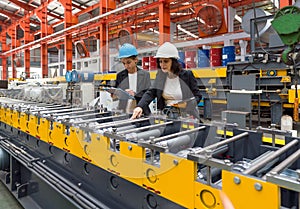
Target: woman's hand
{"x": 130, "y": 92}
{"x": 179, "y": 105}
{"x": 137, "y": 112}
{"x": 227, "y": 204}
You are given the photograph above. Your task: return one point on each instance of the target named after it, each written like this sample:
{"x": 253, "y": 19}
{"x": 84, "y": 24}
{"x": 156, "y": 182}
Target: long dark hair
{"x": 176, "y": 67}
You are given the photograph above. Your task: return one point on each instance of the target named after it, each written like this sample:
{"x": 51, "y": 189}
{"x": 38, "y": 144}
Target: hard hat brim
{"x": 166, "y": 57}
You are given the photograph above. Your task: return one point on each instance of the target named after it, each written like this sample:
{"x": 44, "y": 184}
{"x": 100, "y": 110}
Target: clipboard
{"x": 119, "y": 93}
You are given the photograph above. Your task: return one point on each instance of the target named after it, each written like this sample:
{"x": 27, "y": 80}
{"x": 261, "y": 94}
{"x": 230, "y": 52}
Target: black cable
{"x": 256, "y": 27}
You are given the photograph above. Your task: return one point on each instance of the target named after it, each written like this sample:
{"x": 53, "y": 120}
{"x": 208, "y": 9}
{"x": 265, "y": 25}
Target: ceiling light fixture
{"x": 3, "y": 15}
{"x": 238, "y": 18}
{"x": 153, "y": 30}
{"x": 10, "y": 5}
{"x": 187, "y": 32}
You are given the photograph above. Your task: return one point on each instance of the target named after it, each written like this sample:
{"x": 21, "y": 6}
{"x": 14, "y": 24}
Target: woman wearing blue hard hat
{"x": 132, "y": 79}
{"x": 173, "y": 86}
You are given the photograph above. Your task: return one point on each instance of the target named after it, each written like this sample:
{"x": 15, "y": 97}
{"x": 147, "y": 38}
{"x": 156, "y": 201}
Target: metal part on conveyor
{"x": 154, "y": 144}
{"x": 69, "y": 117}
{"x": 131, "y": 133}
{"x": 179, "y": 143}
{"x": 90, "y": 120}
{"x": 44, "y": 105}
{"x": 145, "y": 127}
{"x": 37, "y": 106}
{"x": 241, "y": 166}
{"x": 144, "y": 135}
{"x": 220, "y": 150}
{"x": 123, "y": 128}
{"x": 58, "y": 110}
{"x": 290, "y": 179}
{"x": 205, "y": 155}
{"x": 163, "y": 138}
{"x": 266, "y": 160}
{"x": 98, "y": 119}
{"x": 210, "y": 148}
{"x": 78, "y": 113}
{"x": 287, "y": 162}
{"x": 31, "y": 107}
{"x": 118, "y": 123}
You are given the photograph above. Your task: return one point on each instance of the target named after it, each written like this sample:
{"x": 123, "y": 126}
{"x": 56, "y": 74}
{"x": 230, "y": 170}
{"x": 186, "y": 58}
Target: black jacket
{"x": 189, "y": 90}
{"x": 143, "y": 83}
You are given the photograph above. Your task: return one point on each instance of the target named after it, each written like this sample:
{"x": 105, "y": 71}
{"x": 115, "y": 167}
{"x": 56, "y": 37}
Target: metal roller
{"x": 4, "y": 160}
{"x": 123, "y": 128}
{"x": 145, "y": 135}
{"x": 74, "y": 117}
{"x": 178, "y": 143}
{"x": 144, "y": 128}
{"x": 118, "y": 123}
{"x": 81, "y": 112}
{"x": 59, "y": 110}
{"x": 271, "y": 157}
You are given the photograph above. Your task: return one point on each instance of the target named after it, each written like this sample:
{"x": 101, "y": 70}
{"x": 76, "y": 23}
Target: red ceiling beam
{"x": 243, "y": 3}
{"x": 10, "y": 15}
{"x": 89, "y": 9}
{"x": 26, "y": 7}
{"x": 14, "y": 17}
{"x": 55, "y": 16}
{"x": 77, "y": 7}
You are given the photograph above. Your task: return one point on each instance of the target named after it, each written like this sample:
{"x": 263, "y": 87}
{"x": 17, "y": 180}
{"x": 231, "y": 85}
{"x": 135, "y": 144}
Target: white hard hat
{"x": 167, "y": 50}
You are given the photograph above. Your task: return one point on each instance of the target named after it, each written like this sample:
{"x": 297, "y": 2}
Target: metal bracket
{"x": 152, "y": 146}
{"x": 7, "y": 178}
{"x": 27, "y": 189}
{"x": 210, "y": 161}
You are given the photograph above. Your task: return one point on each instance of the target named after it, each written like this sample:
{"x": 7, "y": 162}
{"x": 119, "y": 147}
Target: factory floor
{"x": 7, "y": 200}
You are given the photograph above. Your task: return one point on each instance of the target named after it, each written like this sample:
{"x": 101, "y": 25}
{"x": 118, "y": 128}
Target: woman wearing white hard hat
{"x": 173, "y": 85}
{"x": 132, "y": 79}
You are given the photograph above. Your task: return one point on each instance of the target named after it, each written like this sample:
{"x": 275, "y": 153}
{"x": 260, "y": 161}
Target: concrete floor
{"x": 7, "y": 200}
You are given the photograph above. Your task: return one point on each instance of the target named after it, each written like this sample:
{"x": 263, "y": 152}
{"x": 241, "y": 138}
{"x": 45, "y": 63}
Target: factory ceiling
{"x": 186, "y": 16}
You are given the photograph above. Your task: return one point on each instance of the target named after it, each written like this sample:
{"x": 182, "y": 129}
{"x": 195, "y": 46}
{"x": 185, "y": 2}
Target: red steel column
{"x": 4, "y": 58}
{"x": 25, "y": 25}
{"x": 67, "y": 4}
{"x": 12, "y": 34}
{"x": 104, "y": 45}
{"x": 164, "y": 21}
{"x": 42, "y": 15}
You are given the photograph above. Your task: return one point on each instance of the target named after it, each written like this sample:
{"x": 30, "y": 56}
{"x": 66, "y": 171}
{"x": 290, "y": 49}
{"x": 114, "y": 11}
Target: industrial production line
{"x": 59, "y": 156}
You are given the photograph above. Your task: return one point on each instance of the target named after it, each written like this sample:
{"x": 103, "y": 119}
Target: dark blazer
{"x": 143, "y": 83}
{"x": 189, "y": 89}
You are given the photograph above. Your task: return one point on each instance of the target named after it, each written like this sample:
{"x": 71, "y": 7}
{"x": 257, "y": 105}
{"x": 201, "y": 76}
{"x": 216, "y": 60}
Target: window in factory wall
{"x": 86, "y": 64}
{"x": 78, "y": 65}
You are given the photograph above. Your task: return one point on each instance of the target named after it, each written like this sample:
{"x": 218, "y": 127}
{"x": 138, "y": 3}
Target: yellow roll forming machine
{"x": 58, "y": 156}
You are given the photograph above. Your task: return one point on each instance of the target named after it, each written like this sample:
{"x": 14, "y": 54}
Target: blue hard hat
{"x": 127, "y": 50}
{"x": 68, "y": 76}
